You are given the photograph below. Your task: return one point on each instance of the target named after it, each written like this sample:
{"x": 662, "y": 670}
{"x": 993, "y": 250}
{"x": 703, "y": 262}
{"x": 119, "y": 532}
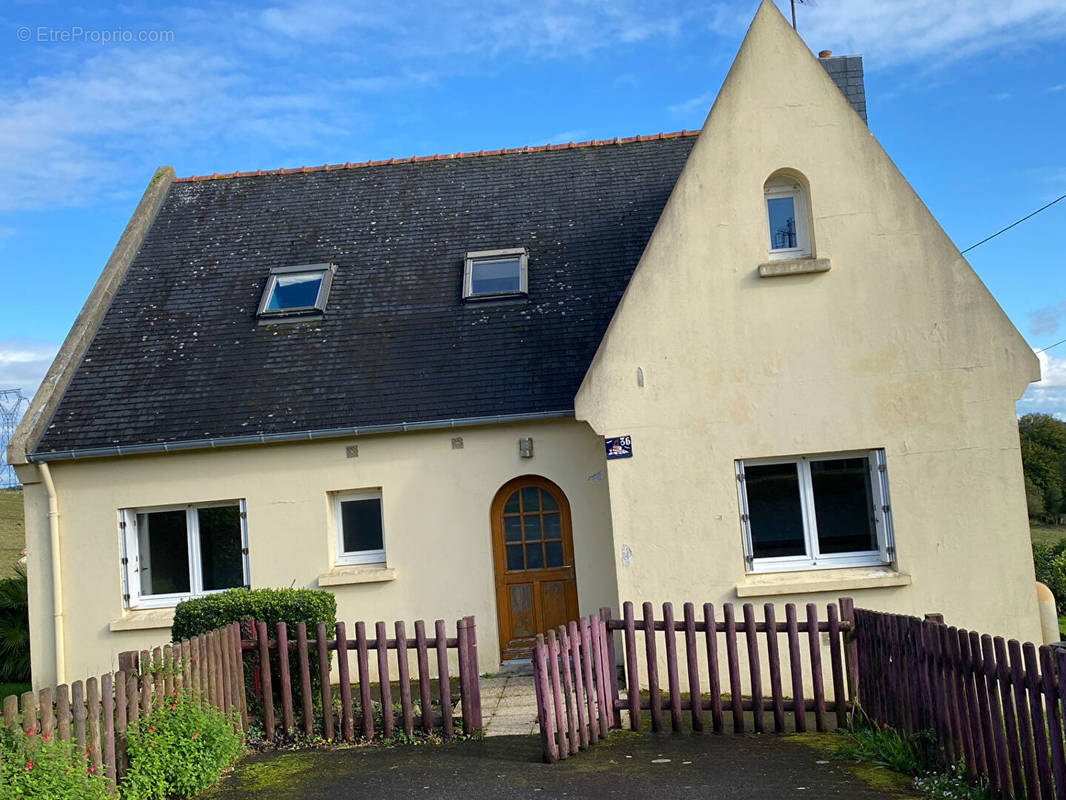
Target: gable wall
{"x": 898, "y": 346}
{"x": 436, "y": 504}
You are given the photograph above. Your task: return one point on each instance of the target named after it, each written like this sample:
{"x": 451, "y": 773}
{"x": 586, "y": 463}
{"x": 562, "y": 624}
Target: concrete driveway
{"x": 626, "y": 766}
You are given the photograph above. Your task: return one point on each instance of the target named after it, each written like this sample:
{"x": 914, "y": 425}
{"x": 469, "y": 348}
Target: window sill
{"x": 143, "y": 619}
{"x": 793, "y": 266}
{"x": 830, "y": 580}
{"x": 366, "y": 573}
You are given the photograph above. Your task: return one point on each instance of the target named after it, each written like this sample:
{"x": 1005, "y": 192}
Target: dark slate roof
{"x": 180, "y": 355}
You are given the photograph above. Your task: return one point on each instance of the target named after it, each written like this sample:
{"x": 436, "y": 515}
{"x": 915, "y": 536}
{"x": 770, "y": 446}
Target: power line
{"x": 1045, "y": 349}
{"x": 1019, "y": 222}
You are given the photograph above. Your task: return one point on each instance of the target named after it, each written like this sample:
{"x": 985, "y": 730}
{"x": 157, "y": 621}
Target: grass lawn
{"x": 1046, "y": 534}
{"x": 12, "y": 530}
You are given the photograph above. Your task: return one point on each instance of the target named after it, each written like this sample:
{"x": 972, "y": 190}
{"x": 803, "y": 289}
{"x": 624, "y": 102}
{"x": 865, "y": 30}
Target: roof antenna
{"x": 810, "y": 3}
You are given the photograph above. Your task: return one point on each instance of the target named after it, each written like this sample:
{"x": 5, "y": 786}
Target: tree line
{"x": 1043, "y": 439}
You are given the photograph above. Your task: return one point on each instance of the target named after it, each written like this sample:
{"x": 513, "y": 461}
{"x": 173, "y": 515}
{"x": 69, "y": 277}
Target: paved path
{"x": 509, "y": 705}
{"x": 626, "y": 767}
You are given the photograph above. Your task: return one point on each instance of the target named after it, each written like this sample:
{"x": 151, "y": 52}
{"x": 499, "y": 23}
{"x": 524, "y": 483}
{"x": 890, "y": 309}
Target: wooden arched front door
{"x": 533, "y": 550}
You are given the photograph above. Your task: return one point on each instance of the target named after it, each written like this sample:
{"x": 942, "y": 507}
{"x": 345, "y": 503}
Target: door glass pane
{"x": 512, "y": 504}
{"x": 552, "y": 527}
{"x": 548, "y": 501}
{"x": 530, "y": 499}
{"x": 782, "y": 222}
{"x": 534, "y": 556}
{"x": 164, "y": 557}
{"x": 220, "y": 547}
{"x": 553, "y": 554}
{"x": 512, "y": 529}
{"x": 361, "y": 521}
{"x": 532, "y": 526}
{"x": 843, "y": 505}
{"x": 514, "y": 557}
{"x": 774, "y": 510}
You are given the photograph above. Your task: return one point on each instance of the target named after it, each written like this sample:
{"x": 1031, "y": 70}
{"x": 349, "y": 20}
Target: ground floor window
{"x": 815, "y": 511}
{"x": 359, "y": 527}
{"x": 172, "y": 553}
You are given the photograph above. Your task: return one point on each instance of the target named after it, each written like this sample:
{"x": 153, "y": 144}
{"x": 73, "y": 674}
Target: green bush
{"x": 203, "y": 614}
{"x": 179, "y": 750}
{"x": 1049, "y": 562}
{"x": 14, "y": 628}
{"x": 45, "y": 768}
{"x": 310, "y": 606}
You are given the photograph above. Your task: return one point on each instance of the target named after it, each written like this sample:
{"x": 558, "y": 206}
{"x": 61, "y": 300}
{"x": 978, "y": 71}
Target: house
{"x": 740, "y": 363}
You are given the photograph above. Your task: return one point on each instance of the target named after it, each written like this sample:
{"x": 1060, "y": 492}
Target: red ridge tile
{"x": 443, "y": 156}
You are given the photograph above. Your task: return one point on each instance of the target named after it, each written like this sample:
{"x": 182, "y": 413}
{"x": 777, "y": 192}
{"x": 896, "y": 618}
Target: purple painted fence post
{"x": 544, "y": 701}
{"x": 612, "y": 667}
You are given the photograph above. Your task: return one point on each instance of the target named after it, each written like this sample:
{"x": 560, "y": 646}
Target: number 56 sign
{"x": 618, "y": 447}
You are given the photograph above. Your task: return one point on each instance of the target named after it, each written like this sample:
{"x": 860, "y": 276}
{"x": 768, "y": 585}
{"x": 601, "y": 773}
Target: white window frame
{"x": 356, "y": 556}
{"x": 131, "y": 554}
{"x": 325, "y": 271}
{"x": 496, "y": 255}
{"x": 777, "y": 190}
{"x": 813, "y": 559}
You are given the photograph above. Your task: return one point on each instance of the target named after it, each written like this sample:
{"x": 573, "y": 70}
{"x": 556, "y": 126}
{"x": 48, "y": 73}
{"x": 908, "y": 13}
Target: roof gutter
{"x": 295, "y": 436}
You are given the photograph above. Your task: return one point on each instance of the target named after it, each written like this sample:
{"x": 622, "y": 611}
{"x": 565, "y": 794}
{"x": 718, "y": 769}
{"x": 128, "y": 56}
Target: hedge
{"x": 1049, "y": 562}
{"x": 203, "y": 614}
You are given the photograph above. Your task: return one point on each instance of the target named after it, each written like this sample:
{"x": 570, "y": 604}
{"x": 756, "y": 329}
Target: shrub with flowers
{"x": 45, "y": 767}
{"x": 179, "y": 750}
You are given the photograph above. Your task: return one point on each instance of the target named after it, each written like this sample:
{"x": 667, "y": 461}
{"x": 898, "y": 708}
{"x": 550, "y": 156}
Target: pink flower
{"x": 195, "y": 734}
{"x": 151, "y": 728}
{"x": 29, "y": 765}
{"x": 46, "y": 737}
{"x": 30, "y": 732}
{"x": 92, "y": 769}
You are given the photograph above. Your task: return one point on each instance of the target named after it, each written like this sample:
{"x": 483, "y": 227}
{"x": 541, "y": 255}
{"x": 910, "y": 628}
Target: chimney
{"x": 846, "y": 72}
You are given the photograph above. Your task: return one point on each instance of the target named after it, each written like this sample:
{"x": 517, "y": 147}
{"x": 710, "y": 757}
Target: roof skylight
{"x": 495, "y": 273}
{"x": 295, "y": 291}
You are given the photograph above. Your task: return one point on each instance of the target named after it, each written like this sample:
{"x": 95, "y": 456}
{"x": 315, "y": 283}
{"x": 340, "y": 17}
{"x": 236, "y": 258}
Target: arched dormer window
{"x": 788, "y": 224}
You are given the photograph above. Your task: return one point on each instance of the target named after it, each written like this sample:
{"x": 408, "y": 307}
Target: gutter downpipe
{"x": 57, "y": 574}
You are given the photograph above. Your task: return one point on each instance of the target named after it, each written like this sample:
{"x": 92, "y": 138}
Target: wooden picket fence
{"x": 995, "y": 706}
{"x": 339, "y": 724}
{"x": 576, "y": 672}
{"x": 95, "y": 714}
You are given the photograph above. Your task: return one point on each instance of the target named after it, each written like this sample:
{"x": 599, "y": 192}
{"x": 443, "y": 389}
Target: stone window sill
{"x": 143, "y": 619}
{"x": 828, "y": 580}
{"x": 793, "y": 266}
{"x": 365, "y": 573}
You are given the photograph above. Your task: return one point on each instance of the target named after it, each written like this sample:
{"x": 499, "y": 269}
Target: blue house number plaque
{"x": 618, "y": 447}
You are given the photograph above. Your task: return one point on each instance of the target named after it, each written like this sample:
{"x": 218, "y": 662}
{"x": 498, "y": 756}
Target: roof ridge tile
{"x": 503, "y": 151}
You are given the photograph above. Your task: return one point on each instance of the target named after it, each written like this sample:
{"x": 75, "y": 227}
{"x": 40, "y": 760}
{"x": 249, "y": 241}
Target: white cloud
{"x": 66, "y": 137}
{"x": 1049, "y": 394}
{"x": 939, "y": 31}
{"x": 95, "y": 121}
{"x": 692, "y": 105}
{"x": 24, "y": 362}
{"x": 546, "y": 28}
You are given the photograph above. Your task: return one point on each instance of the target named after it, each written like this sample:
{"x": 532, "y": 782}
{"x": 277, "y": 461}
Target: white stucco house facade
{"x": 743, "y": 364}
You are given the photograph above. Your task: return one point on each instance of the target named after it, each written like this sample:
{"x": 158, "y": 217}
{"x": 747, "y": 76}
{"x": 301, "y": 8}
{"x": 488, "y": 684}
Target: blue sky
{"x": 969, "y": 99}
